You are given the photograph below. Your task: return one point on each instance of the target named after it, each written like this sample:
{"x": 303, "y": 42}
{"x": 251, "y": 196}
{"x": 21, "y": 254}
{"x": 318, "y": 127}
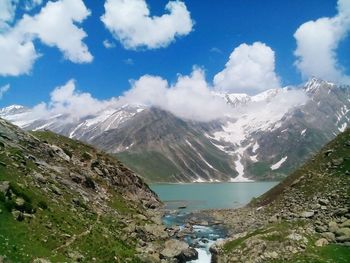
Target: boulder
{"x": 321, "y": 242}
{"x": 332, "y": 226}
{"x": 173, "y": 248}
{"x": 188, "y": 254}
{"x": 329, "y": 236}
{"x": 4, "y": 187}
{"x": 307, "y": 214}
{"x": 343, "y": 234}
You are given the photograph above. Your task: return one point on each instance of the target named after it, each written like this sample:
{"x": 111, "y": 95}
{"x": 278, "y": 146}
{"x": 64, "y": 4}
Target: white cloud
{"x": 108, "y": 44}
{"x": 7, "y": 12}
{"x": 131, "y": 23}
{"x": 68, "y": 101}
{"x": 3, "y": 90}
{"x": 55, "y": 26}
{"x": 189, "y": 98}
{"x": 17, "y": 55}
{"x": 30, "y": 4}
{"x": 250, "y": 69}
{"x": 317, "y": 43}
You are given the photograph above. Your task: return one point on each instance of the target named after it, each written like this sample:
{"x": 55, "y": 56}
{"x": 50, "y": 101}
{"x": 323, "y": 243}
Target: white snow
{"x": 200, "y": 156}
{"x": 343, "y": 127}
{"x": 279, "y": 163}
{"x": 255, "y": 147}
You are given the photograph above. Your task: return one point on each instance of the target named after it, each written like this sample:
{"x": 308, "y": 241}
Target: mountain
{"x": 61, "y": 199}
{"x": 305, "y": 218}
{"x": 266, "y": 137}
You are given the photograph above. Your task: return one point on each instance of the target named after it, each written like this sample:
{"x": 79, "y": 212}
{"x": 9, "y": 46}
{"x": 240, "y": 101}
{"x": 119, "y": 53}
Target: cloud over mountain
{"x": 131, "y": 23}
{"x": 250, "y": 69}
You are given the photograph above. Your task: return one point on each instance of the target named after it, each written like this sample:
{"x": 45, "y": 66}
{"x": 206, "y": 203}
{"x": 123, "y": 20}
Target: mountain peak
{"x": 315, "y": 84}
{"x": 12, "y": 109}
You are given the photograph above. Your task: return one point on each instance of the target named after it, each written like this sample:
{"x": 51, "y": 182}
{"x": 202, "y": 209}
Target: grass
{"x": 153, "y": 166}
{"x": 56, "y": 217}
{"x": 327, "y": 254}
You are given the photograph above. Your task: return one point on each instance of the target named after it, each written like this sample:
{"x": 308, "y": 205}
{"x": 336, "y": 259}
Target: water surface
{"x": 200, "y": 196}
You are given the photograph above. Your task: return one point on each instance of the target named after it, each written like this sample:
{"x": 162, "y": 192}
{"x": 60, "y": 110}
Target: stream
{"x": 183, "y": 203}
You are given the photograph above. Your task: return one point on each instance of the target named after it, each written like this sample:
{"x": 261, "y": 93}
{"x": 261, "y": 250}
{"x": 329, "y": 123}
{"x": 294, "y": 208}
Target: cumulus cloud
{"x": 7, "y": 12}
{"x": 67, "y": 100}
{"x": 189, "y": 98}
{"x": 250, "y": 69}
{"x": 317, "y": 43}
{"x": 131, "y": 23}
{"x": 30, "y": 4}
{"x": 55, "y": 26}
{"x": 3, "y": 90}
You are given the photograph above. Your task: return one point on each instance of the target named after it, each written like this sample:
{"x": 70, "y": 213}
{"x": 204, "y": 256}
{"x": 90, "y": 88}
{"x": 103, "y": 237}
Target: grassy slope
{"x": 56, "y": 219}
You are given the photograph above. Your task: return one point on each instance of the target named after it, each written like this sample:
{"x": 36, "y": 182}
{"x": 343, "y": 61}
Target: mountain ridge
{"x": 246, "y": 146}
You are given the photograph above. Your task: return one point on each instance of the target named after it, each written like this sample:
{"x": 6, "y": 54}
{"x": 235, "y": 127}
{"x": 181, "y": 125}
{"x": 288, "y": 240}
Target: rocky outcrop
{"x": 307, "y": 211}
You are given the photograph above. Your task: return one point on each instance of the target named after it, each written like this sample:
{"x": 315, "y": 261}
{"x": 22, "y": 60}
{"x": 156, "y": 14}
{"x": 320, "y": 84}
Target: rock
{"x": 321, "y": 242}
{"x": 156, "y": 230}
{"x": 189, "y": 254}
{"x": 19, "y": 201}
{"x": 329, "y": 236}
{"x": 323, "y": 201}
{"x": 272, "y": 255}
{"x": 295, "y": 236}
{"x": 18, "y": 215}
{"x": 75, "y": 256}
{"x": 307, "y": 214}
{"x": 173, "y": 248}
{"x": 341, "y": 211}
{"x": 40, "y": 178}
{"x": 346, "y": 223}
{"x": 60, "y": 153}
{"x": 343, "y": 234}
{"x": 338, "y": 161}
{"x": 40, "y": 260}
{"x": 321, "y": 229}
{"x": 98, "y": 171}
{"x": 332, "y": 226}
{"x": 56, "y": 190}
{"x": 4, "y": 187}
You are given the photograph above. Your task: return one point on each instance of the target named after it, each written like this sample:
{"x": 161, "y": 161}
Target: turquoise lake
{"x": 199, "y": 196}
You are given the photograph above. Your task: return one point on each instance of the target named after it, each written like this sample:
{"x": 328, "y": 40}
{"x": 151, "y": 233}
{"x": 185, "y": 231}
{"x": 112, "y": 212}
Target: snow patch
{"x": 279, "y": 163}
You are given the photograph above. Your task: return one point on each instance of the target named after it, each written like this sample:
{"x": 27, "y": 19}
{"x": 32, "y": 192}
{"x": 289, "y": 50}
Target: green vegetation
{"x": 153, "y": 166}
{"x": 45, "y": 218}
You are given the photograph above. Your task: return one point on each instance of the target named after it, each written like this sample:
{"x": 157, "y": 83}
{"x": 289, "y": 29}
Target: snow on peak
{"x": 11, "y": 109}
{"x": 315, "y": 84}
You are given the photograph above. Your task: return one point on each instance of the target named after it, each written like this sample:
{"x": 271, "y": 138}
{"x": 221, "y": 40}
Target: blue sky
{"x": 219, "y": 27}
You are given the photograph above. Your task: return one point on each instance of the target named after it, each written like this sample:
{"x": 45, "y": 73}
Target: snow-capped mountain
{"x": 267, "y": 136}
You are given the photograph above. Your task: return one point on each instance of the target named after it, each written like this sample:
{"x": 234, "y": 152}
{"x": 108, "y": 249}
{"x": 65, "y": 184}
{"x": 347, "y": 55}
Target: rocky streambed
{"x": 197, "y": 230}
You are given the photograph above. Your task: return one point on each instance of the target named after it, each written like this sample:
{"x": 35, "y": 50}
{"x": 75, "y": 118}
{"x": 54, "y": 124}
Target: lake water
{"x": 199, "y": 196}
{"x": 186, "y": 198}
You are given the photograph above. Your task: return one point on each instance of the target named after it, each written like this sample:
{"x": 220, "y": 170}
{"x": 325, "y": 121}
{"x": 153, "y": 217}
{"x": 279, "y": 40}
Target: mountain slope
{"x": 306, "y": 218}
{"x": 61, "y": 199}
{"x": 266, "y": 137}
{"x": 166, "y": 148}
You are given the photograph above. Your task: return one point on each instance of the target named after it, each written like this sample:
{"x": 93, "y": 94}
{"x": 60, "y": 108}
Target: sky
{"x": 151, "y": 51}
